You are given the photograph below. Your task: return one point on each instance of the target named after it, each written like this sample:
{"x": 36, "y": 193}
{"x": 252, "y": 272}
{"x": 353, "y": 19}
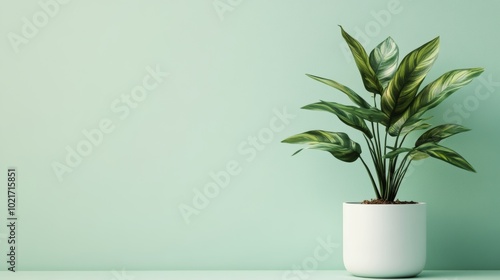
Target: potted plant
{"x": 385, "y": 237}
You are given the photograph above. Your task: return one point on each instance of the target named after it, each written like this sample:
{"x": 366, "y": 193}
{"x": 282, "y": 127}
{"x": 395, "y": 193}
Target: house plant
{"x": 384, "y": 237}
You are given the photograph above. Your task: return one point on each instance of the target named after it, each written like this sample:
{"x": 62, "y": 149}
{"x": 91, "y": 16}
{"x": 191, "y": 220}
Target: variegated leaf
{"x": 344, "y": 115}
{"x": 404, "y": 85}
{"x": 396, "y": 152}
{"x": 370, "y": 80}
{"x": 439, "y": 133}
{"x": 336, "y": 143}
{"x": 433, "y": 94}
{"x": 417, "y": 155}
{"x": 349, "y": 92}
{"x": 413, "y": 153}
{"x": 372, "y": 114}
{"x": 445, "y": 154}
{"x": 416, "y": 126}
{"x": 384, "y": 60}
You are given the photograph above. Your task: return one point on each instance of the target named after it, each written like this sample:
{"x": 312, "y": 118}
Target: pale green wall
{"x": 230, "y": 77}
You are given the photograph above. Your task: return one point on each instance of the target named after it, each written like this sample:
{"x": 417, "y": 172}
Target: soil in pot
{"x": 381, "y": 201}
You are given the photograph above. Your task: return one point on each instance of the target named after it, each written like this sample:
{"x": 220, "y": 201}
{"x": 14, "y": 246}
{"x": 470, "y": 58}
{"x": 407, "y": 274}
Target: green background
{"x": 234, "y": 69}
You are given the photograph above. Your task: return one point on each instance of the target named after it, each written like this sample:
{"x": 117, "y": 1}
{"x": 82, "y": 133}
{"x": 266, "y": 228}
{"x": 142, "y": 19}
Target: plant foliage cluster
{"x": 398, "y": 108}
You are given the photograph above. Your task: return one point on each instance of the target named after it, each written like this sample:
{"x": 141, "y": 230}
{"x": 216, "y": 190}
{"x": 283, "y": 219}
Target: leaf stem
{"x": 401, "y": 176}
{"x": 371, "y": 178}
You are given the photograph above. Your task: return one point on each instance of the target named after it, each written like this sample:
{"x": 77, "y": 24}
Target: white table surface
{"x": 232, "y": 275}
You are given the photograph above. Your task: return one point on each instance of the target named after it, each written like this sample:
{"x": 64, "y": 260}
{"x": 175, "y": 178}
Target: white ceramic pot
{"x": 384, "y": 240}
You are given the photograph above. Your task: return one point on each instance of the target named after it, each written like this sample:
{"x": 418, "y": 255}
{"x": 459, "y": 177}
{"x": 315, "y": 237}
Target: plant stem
{"x": 373, "y": 155}
{"x": 371, "y": 177}
{"x": 404, "y": 138}
{"x": 385, "y": 147}
{"x": 369, "y": 142}
{"x": 378, "y": 156}
{"x": 402, "y": 175}
{"x": 401, "y": 170}
{"x": 392, "y": 169}
{"x": 397, "y": 175}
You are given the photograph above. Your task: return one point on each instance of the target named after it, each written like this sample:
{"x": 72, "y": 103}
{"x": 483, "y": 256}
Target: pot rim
{"x": 359, "y": 203}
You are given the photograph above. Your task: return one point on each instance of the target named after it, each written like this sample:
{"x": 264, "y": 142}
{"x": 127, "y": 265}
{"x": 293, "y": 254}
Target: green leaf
{"x": 439, "y": 133}
{"x": 445, "y": 154}
{"x": 384, "y": 60}
{"x": 396, "y": 152}
{"x": 416, "y": 126}
{"x": 370, "y": 80}
{"x": 416, "y": 155}
{"x": 372, "y": 114}
{"x": 336, "y": 143}
{"x": 344, "y": 115}
{"x": 433, "y": 94}
{"x": 404, "y": 85}
{"x": 349, "y": 92}
{"x": 437, "y": 91}
{"x": 413, "y": 153}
